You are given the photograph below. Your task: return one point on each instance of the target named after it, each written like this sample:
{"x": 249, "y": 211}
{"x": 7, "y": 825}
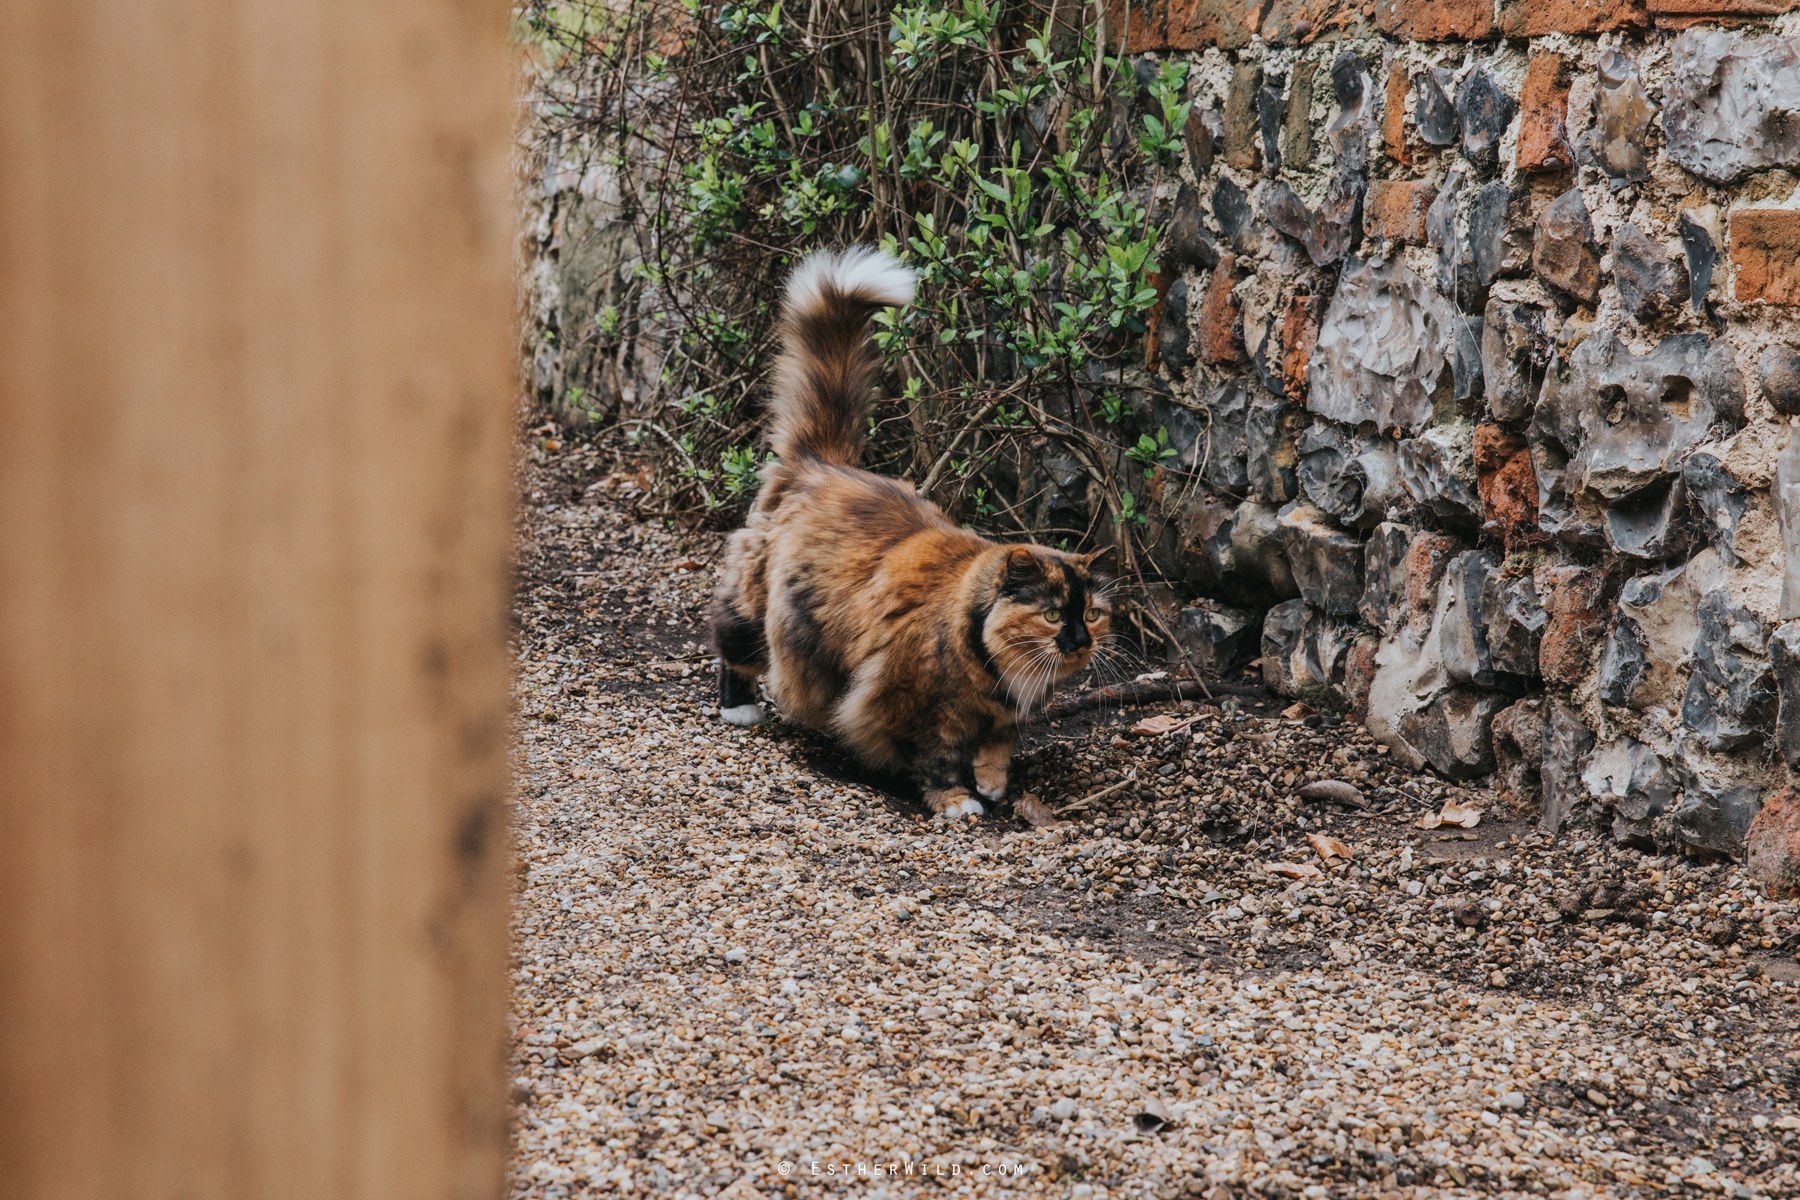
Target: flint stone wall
{"x": 1492, "y": 312}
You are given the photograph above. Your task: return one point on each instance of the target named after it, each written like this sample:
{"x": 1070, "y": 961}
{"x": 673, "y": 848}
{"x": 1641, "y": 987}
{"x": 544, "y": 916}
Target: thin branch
{"x": 931, "y": 476}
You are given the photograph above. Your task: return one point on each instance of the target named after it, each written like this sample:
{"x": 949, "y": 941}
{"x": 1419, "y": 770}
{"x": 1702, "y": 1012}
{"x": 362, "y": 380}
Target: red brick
{"x": 1722, "y": 8}
{"x": 1427, "y": 555}
{"x": 1507, "y": 484}
{"x": 1359, "y": 675}
{"x": 1534, "y": 18}
{"x": 1299, "y": 333}
{"x": 1436, "y": 20}
{"x": 1765, "y": 254}
{"x": 1394, "y": 210}
{"x": 1571, "y": 596}
{"x": 1220, "y": 319}
{"x": 1494, "y": 448}
{"x": 1544, "y": 109}
{"x": 1773, "y": 845}
{"x": 1153, "y": 339}
{"x": 1228, "y": 24}
{"x": 1144, "y": 26}
{"x": 1393, "y": 116}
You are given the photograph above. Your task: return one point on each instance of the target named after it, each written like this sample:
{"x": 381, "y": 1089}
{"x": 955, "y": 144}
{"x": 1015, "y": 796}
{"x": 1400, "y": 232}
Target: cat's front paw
{"x": 954, "y": 803}
{"x": 990, "y": 765}
{"x": 745, "y": 715}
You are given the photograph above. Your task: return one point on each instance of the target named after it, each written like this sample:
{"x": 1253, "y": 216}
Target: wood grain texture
{"x": 255, "y": 384}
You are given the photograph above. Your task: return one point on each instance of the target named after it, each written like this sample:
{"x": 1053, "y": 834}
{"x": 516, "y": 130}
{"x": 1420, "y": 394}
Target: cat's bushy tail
{"x": 820, "y": 401}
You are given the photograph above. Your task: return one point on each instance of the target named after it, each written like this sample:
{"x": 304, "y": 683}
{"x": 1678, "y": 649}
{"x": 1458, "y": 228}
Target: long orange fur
{"x": 867, "y": 612}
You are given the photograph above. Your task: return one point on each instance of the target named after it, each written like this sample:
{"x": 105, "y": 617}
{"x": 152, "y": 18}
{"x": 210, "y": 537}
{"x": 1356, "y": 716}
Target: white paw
{"x": 968, "y": 808}
{"x": 991, "y": 795}
{"x": 744, "y": 714}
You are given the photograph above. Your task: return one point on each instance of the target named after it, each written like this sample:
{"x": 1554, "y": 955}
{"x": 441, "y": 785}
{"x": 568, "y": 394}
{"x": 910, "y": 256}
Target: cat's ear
{"x": 1090, "y": 560}
{"x": 1022, "y": 569}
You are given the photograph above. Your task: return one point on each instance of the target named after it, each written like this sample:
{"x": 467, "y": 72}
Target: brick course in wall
{"x": 1535, "y": 18}
{"x": 1436, "y": 20}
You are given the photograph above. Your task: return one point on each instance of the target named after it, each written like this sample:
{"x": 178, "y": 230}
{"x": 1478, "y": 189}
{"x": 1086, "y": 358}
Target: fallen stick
{"x": 1147, "y": 693}
{"x": 1086, "y": 802}
{"x": 1335, "y": 791}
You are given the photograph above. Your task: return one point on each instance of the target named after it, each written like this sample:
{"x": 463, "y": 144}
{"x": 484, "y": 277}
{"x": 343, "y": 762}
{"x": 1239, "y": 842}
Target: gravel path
{"x": 737, "y": 951}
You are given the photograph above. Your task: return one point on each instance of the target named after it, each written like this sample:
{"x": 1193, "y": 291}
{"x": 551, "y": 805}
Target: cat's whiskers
{"x": 1113, "y": 658}
{"x": 1035, "y": 676}
{"x": 1042, "y": 672}
{"x": 1012, "y": 664}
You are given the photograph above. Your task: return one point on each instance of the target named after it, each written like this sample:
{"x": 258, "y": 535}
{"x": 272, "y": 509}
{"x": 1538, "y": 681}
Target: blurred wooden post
{"x": 255, "y": 386}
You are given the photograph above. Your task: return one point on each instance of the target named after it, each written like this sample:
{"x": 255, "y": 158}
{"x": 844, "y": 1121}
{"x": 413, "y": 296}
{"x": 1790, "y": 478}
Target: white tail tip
{"x": 861, "y": 271}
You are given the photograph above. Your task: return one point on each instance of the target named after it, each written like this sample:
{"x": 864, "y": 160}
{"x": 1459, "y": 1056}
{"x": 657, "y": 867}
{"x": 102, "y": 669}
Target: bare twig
{"x": 1145, "y": 693}
{"x": 1097, "y": 797}
{"x": 931, "y": 476}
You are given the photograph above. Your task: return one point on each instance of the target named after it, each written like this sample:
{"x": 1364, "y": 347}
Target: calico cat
{"x": 871, "y": 615}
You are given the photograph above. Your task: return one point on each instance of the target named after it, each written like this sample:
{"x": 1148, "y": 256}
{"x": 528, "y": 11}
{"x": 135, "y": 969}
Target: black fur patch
{"x": 734, "y": 690}
{"x": 806, "y": 639}
{"x": 940, "y": 771}
{"x": 739, "y": 642}
{"x": 1025, "y": 576}
{"x": 978, "y": 615}
{"x": 1074, "y": 634}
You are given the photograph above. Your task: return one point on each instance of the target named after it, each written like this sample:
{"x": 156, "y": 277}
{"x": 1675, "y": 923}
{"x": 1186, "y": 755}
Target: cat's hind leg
{"x": 739, "y": 639}
{"x": 743, "y": 655}
{"x": 737, "y": 698}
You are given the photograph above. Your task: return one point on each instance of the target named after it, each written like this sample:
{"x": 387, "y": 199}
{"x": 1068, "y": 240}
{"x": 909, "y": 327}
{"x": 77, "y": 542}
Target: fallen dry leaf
{"x": 1294, "y": 870}
{"x": 1329, "y": 847}
{"x": 1298, "y": 710}
{"x": 1457, "y": 814}
{"x": 1160, "y": 724}
{"x": 1035, "y": 811}
{"x": 1430, "y": 821}
{"x": 688, "y": 564}
{"x": 1334, "y": 790}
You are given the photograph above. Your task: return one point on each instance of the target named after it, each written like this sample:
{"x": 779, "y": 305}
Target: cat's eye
{"x": 1053, "y": 615}
{"x": 1093, "y": 614}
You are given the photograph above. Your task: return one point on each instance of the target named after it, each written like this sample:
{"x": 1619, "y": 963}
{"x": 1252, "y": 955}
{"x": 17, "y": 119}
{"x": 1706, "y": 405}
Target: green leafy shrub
{"x": 980, "y": 141}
